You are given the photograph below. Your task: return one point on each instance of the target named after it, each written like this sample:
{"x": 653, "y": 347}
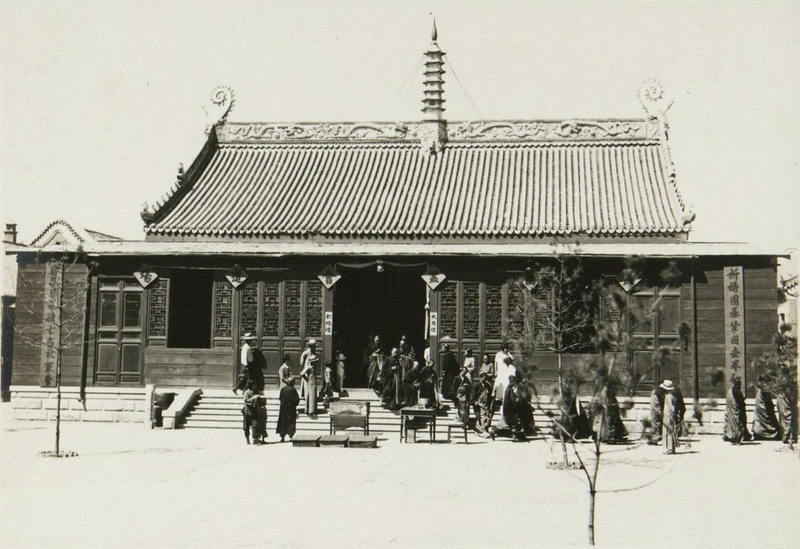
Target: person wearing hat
{"x": 327, "y": 384}
{"x": 308, "y": 387}
{"x": 670, "y": 418}
{"x": 246, "y": 363}
{"x": 340, "y": 371}
{"x": 484, "y": 397}
{"x": 404, "y": 347}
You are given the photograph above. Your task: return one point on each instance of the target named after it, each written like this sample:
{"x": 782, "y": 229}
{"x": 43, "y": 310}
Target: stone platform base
{"x": 105, "y": 404}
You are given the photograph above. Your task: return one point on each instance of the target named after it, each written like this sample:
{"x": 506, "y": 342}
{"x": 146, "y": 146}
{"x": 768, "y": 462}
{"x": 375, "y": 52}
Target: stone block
{"x": 93, "y": 404}
{"x": 168, "y": 422}
{"x": 363, "y": 441}
{"x": 75, "y": 405}
{"x": 27, "y": 404}
{"x": 339, "y": 441}
{"x": 305, "y": 440}
{"x": 52, "y": 404}
{"x": 128, "y": 405}
{"x": 112, "y": 405}
{"x": 140, "y": 406}
{"x": 66, "y": 415}
{"x": 26, "y": 414}
{"x": 129, "y": 417}
{"x": 98, "y": 416}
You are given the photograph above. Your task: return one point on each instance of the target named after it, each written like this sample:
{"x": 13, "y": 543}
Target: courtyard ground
{"x": 134, "y": 487}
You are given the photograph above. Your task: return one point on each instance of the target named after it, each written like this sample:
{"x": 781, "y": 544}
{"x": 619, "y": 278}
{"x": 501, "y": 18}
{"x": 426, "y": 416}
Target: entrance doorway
{"x": 366, "y": 303}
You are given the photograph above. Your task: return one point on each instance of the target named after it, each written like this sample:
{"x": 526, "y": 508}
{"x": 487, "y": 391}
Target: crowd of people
{"x": 491, "y": 398}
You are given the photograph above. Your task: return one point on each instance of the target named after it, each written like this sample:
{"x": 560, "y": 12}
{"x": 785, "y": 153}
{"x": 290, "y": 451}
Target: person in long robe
{"x": 681, "y": 408}
{"x": 247, "y": 364}
{"x": 786, "y": 416}
{"x": 502, "y": 371}
{"x": 611, "y": 429}
{"x": 428, "y": 394}
{"x": 487, "y": 375}
{"x": 525, "y": 407}
{"x": 411, "y": 385}
{"x": 340, "y": 371}
{"x": 656, "y": 415}
{"x": 308, "y": 373}
{"x": 464, "y": 395}
{"x": 287, "y": 413}
{"x": 376, "y": 366}
{"x": 765, "y": 422}
{"x": 376, "y": 346}
{"x": 250, "y": 413}
{"x": 469, "y": 360}
{"x": 404, "y": 347}
{"x": 671, "y": 418}
{"x": 284, "y": 372}
{"x": 327, "y": 385}
{"x": 450, "y": 371}
{"x": 735, "y": 415}
{"x": 389, "y": 377}
{"x": 511, "y": 415}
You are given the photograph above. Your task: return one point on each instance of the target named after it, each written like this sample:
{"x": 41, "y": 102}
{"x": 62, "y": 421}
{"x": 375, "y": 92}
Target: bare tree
{"x": 609, "y": 368}
{"x": 558, "y": 314}
{"x": 57, "y": 322}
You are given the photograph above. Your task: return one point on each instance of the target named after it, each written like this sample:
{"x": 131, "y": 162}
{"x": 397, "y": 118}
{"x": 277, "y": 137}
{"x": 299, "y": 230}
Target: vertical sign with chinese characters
{"x": 434, "y": 324}
{"x": 328, "y": 323}
{"x": 733, "y": 281}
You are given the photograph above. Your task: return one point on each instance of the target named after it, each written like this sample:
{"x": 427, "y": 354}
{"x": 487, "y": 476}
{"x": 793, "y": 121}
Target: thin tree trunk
{"x": 60, "y": 287}
{"x": 593, "y": 480}
{"x": 592, "y": 496}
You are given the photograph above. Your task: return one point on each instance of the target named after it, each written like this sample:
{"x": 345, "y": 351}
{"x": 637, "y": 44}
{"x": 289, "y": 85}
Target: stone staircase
{"x": 221, "y": 409}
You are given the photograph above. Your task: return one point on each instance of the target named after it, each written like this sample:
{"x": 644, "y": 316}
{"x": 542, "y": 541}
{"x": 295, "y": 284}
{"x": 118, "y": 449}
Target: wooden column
{"x": 433, "y": 323}
{"x": 327, "y": 326}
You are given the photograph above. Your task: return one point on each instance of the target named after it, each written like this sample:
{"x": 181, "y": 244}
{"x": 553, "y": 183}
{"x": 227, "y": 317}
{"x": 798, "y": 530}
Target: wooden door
{"x": 119, "y": 333}
{"x": 657, "y": 351}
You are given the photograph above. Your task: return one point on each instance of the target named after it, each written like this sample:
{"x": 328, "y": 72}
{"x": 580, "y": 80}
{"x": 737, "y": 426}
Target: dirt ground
{"x": 134, "y": 487}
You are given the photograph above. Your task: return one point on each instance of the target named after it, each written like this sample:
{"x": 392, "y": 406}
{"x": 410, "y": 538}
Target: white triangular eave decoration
{"x": 628, "y": 286}
{"x": 236, "y": 279}
{"x": 329, "y": 276}
{"x": 145, "y": 278}
{"x": 433, "y": 279}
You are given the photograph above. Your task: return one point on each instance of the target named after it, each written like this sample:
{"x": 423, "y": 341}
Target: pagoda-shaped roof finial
{"x": 433, "y": 99}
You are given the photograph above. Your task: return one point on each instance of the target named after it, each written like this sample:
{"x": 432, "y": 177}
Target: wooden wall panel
{"x": 28, "y": 321}
{"x": 188, "y": 367}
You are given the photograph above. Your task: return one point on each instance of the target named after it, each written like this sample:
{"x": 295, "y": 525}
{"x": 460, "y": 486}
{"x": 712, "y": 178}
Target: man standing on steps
{"x": 308, "y": 386}
{"x": 247, "y": 364}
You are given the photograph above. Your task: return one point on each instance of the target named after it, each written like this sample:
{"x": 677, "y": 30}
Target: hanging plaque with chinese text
{"x": 733, "y": 282}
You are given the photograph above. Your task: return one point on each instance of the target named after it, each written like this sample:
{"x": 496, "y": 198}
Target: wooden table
{"x": 411, "y": 412}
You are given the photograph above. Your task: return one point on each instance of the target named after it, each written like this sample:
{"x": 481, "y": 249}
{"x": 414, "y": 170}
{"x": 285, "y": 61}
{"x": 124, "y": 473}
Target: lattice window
{"x": 494, "y": 311}
{"x": 249, "y": 308}
{"x": 291, "y": 322}
{"x": 159, "y": 296}
{"x": 448, "y": 310}
{"x": 472, "y": 309}
{"x": 272, "y": 306}
{"x": 516, "y": 310}
{"x": 223, "y": 307}
{"x": 314, "y": 309}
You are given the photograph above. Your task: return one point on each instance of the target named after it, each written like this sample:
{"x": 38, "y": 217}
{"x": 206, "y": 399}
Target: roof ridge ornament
{"x": 652, "y": 95}
{"x": 222, "y": 101}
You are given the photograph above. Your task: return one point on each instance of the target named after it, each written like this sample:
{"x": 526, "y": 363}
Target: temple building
{"x": 343, "y": 231}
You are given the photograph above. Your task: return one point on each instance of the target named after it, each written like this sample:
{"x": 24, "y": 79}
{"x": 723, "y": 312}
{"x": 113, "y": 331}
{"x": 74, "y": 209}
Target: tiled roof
{"x": 490, "y": 180}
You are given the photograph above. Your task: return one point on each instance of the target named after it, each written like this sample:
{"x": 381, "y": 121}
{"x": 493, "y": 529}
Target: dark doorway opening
{"x": 367, "y": 303}
{"x": 190, "y": 310}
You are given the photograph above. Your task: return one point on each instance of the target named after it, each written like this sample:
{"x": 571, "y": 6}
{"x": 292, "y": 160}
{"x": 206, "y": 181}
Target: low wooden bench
{"x": 333, "y": 440}
{"x": 349, "y": 413}
{"x": 363, "y": 441}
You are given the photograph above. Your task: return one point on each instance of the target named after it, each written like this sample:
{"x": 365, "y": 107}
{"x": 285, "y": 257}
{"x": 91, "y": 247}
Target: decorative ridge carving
{"x": 487, "y": 130}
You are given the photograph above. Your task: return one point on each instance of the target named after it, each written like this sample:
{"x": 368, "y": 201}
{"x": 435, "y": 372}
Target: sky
{"x": 101, "y": 101}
